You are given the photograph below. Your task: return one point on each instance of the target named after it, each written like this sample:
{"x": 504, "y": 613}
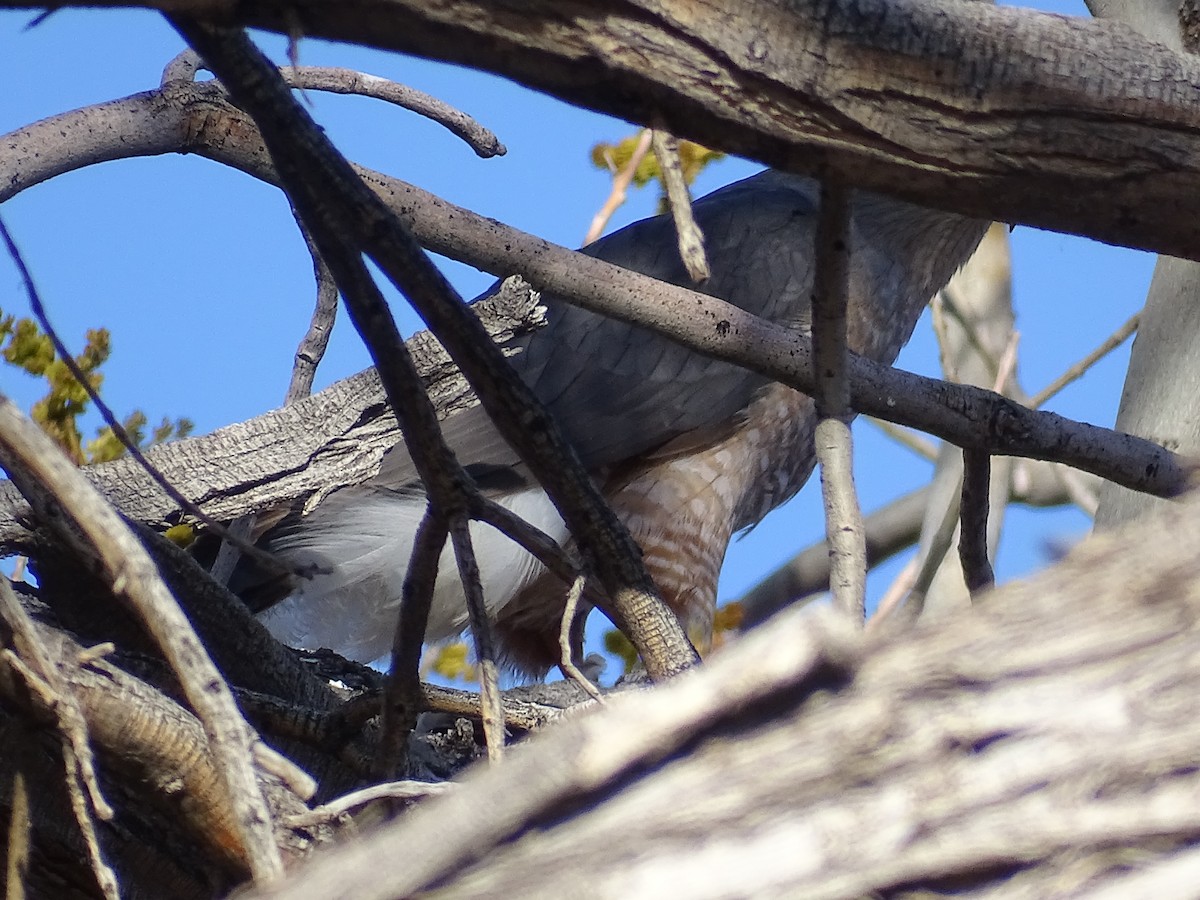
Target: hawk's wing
{"x": 619, "y": 391}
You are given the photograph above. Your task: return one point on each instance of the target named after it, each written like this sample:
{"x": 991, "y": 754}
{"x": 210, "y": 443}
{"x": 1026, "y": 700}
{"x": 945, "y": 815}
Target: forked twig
{"x": 336, "y": 80}
{"x": 566, "y": 647}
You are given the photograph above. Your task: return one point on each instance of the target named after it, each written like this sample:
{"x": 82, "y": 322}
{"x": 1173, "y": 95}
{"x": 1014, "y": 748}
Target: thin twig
{"x": 392, "y": 790}
{"x": 972, "y": 535}
{"x": 941, "y": 330}
{"x": 403, "y": 697}
{"x": 347, "y": 81}
{"x": 481, "y": 633}
{"x": 843, "y": 517}
{"x": 691, "y": 238}
{"x": 519, "y": 713}
{"x": 316, "y": 340}
{"x": 1081, "y": 494}
{"x": 1076, "y": 371}
{"x": 1006, "y": 366}
{"x": 939, "y": 546}
{"x": 337, "y": 80}
{"x": 304, "y": 368}
{"x": 620, "y": 187}
{"x": 565, "y": 643}
{"x": 900, "y": 588}
{"x": 290, "y": 775}
{"x": 949, "y": 305}
{"x": 535, "y": 541}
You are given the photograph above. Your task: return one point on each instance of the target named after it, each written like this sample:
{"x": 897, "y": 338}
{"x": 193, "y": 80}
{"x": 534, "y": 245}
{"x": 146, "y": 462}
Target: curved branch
{"x": 337, "y": 80}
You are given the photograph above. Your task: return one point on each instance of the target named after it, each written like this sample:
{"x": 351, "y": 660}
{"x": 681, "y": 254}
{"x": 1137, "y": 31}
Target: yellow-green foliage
{"x": 25, "y": 346}
{"x": 614, "y": 157}
{"x": 452, "y": 661}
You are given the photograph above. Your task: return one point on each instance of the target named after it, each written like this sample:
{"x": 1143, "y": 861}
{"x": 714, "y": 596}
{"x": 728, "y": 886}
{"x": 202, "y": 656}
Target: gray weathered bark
{"x": 932, "y": 100}
{"x": 1162, "y": 386}
{"x": 1040, "y": 744}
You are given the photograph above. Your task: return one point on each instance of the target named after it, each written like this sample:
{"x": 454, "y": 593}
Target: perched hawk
{"x": 687, "y": 450}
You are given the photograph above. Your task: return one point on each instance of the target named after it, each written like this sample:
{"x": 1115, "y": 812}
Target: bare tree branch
{"x": 620, "y": 187}
{"x": 481, "y": 634}
{"x": 192, "y": 115}
{"x": 316, "y": 339}
{"x": 1077, "y": 370}
{"x": 347, "y": 81}
{"x": 402, "y": 698}
{"x": 973, "y": 521}
{"x": 691, "y": 239}
{"x": 843, "y": 517}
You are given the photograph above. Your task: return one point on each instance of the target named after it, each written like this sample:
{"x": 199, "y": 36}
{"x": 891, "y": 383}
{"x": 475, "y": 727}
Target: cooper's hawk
{"x": 688, "y": 450}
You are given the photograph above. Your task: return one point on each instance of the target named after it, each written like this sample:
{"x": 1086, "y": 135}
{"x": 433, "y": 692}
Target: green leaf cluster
{"x": 25, "y": 346}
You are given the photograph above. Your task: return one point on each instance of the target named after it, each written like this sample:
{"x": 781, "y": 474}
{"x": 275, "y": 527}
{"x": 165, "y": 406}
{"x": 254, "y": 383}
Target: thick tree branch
{"x": 928, "y": 99}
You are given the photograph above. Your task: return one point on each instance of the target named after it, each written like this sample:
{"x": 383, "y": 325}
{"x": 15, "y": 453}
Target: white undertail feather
{"x": 362, "y": 548}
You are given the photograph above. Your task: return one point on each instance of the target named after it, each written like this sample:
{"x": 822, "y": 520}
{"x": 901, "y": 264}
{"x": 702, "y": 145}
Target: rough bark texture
{"x": 1042, "y": 744}
{"x": 987, "y": 110}
{"x": 1159, "y": 397}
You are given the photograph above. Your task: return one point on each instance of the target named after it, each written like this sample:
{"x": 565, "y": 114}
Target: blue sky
{"x": 200, "y": 275}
